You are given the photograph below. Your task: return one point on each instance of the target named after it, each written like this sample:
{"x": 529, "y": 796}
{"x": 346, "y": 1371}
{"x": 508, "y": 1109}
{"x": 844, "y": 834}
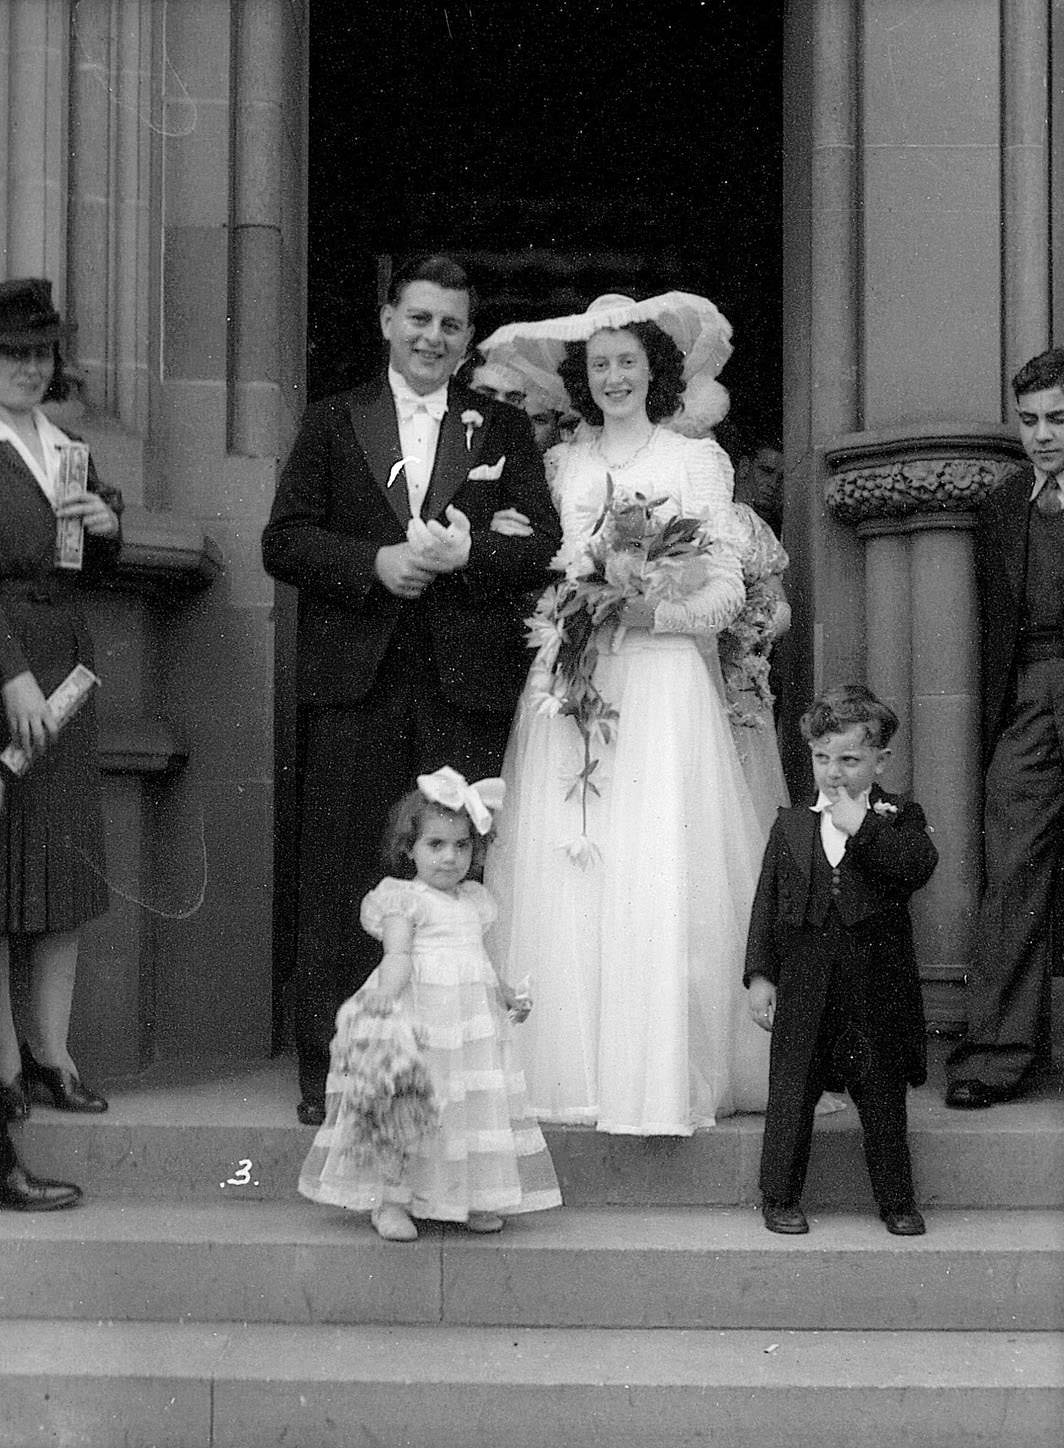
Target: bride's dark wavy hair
{"x": 666, "y": 373}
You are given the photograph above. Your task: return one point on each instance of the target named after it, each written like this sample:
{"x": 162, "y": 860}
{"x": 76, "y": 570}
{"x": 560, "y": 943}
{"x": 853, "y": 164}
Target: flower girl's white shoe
{"x": 392, "y": 1223}
{"x": 484, "y": 1222}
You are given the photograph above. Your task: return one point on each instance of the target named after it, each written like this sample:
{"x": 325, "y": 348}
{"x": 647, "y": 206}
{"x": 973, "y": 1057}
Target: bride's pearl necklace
{"x": 619, "y": 464}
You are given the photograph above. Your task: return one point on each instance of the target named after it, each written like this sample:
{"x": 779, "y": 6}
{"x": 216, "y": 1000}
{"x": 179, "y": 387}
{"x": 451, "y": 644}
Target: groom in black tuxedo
{"x": 1020, "y": 572}
{"x": 410, "y": 651}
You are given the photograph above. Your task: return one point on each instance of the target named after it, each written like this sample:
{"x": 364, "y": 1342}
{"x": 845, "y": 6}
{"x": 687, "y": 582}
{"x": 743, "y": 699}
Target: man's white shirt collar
{"x": 408, "y": 399}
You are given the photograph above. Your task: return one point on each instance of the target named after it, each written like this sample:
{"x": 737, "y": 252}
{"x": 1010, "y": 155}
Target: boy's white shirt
{"x": 831, "y": 837}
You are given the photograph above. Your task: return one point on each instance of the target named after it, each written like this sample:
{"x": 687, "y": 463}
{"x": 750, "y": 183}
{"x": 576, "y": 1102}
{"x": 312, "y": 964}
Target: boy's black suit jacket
{"x": 334, "y": 509}
{"x": 866, "y": 945}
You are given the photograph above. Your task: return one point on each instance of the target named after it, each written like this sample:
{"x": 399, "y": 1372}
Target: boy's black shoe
{"x": 903, "y": 1221}
{"x": 787, "y": 1218}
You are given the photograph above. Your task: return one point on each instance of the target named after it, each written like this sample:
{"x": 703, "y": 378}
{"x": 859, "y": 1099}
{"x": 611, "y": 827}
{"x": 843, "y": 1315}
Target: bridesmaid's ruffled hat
{"x": 27, "y": 316}
{"x": 702, "y": 333}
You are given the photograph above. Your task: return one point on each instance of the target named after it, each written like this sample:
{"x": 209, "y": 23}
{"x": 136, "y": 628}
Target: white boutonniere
{"x": 885, "y": 809}
{"x": 397, "y": 468}
{"x": 471, "y": 418}
{"x": 486, "y": 473}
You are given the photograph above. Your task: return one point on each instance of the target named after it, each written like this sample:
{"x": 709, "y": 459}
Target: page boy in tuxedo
{"x": 410, "y": 644}
{"x": 830, "y": 964}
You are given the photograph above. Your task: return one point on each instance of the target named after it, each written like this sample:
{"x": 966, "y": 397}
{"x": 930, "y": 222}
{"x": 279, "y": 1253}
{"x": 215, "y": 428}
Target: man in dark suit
{"x": 1020, "y": 576}
{"x": 410, "y": 651}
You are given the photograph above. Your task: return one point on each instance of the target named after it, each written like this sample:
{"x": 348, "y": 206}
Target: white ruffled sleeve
{"x": 706, "y": 493}
{"x": 390, "y": 897}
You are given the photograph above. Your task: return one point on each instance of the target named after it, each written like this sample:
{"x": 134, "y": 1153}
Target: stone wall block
{"x": 198, "y": 50}
{"x": 930, "y": 73}
{"x": 257, "y": 183}
{"x": 888, "y": 624}
{"x": 195, "y": 289}
{"x": 197, "y": 170}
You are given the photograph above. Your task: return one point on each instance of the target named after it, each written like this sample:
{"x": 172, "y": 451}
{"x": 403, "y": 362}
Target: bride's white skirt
{"x": 639, "y": 1022}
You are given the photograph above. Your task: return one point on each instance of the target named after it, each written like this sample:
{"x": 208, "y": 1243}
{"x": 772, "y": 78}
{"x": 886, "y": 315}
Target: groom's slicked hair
{"x": 441, "y": 270}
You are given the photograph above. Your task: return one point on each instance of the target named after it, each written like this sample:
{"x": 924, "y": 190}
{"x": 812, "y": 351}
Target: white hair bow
{"x": 448, "y": 788}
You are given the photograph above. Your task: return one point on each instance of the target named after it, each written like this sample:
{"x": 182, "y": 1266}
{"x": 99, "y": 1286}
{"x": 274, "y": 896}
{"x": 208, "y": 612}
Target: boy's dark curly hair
{"x": 666, "y": 373}
{"x": 403, "y": 830}
{"x": 838, "y": 709}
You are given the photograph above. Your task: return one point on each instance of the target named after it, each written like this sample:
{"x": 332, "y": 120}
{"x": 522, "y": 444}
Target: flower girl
{"x": 461, "y": 1147}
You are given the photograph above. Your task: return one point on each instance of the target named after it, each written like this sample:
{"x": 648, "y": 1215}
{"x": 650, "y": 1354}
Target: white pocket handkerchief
{"x": 486, "y": 473}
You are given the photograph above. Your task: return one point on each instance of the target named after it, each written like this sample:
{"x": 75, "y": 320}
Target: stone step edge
{"x": 410, "y": 1355}
{"x": 234, "y": 1386}
{"x": 591, "y": 1268}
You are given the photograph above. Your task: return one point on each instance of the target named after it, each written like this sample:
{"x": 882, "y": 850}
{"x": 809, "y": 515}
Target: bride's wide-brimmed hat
{"x": 702, "y": 333}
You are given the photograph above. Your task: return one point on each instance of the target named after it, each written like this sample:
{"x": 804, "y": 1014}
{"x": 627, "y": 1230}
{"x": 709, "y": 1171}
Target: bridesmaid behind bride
{"x": 635, "y": 955}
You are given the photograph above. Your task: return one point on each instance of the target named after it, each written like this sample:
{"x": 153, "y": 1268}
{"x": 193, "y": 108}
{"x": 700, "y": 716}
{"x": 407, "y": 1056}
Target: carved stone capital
{"x": 922, "y": 469}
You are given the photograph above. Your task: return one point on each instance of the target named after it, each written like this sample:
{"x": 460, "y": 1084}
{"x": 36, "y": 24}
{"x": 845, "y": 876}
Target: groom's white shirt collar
{"x": 405, "y": 396}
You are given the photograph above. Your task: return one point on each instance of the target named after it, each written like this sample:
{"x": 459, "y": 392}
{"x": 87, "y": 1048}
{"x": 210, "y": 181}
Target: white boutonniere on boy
{"x": 885, "y": 809}
{"x": 471, "y": 419}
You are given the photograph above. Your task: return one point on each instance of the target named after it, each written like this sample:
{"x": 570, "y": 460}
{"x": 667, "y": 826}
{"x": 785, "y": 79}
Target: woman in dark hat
{"x": 51, "y": 830}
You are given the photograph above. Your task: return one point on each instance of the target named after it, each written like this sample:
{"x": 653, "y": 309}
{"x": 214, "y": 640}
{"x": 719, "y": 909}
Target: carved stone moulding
{"x": 926, "y": 468}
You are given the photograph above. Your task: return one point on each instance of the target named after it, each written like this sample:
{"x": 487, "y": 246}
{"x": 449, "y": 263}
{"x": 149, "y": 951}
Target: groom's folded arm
{"x": 498, "y": 561}
{"x": 298, "y": 545}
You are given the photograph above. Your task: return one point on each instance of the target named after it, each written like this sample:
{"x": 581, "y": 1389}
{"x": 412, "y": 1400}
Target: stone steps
{"x": 195, "y": 1299}
{"x": 235, "y": 1135}
{"x": 582, "y": 1267}
{"x": 250, "y": 1386}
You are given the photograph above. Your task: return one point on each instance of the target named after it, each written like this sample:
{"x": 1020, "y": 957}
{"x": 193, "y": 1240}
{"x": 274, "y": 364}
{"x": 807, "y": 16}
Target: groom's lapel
{"x": 377, "y": 431}
{"x": 453, "y": 459}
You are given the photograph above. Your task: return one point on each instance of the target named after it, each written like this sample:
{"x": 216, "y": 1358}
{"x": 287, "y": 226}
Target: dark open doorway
{"x": 561, "y": 149}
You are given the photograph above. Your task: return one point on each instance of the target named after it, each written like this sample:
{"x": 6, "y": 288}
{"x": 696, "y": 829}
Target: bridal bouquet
{"x": 631, "y": 555}
{"x": 744, "y": 657}
{"x": 388, "y": 1104}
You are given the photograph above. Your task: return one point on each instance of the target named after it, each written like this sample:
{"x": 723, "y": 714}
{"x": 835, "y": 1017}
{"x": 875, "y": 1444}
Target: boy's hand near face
{"x": 847, "y": 812}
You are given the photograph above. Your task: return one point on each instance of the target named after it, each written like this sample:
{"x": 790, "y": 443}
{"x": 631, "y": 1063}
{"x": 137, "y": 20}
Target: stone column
{"x": 910, "y": 495}
{"x": 113, "y": 122}
{"x": 34, "y": 59}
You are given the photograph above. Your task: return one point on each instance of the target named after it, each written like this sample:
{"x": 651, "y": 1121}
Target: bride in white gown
{"x": 635, "y": 956}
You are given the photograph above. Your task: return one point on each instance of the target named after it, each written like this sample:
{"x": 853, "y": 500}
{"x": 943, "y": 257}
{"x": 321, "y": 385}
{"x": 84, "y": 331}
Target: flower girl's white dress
{"x": 635, "y": 956}
{"x": 488, "y": 1154}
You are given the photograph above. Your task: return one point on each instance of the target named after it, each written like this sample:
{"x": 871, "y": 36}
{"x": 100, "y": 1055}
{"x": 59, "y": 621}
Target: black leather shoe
{"x": 14, "y": 1102}
{"x": 790, "y": 1220}
{"x": 311, "y": 1113}
{"x": 974, "y": 1095}
{"x": 906, "y": 1222}
{"x": 22, "y": 1192}
{"x": 60, "y": 1088}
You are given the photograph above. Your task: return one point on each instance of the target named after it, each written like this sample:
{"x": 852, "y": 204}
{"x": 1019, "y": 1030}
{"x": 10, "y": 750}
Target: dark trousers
{"x": 878, "y": 1090}
{"x": 1009, "y": 979}
{"x": 359, "y": 761}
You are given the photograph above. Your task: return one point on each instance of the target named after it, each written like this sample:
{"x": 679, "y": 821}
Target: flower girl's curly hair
{"x": 403, "y": 830}
{"x": 666, "y": 374}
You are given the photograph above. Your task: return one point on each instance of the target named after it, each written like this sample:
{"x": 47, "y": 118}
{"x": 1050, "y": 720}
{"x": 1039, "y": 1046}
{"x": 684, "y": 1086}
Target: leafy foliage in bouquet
{"x": 744, "y": 648}
{"x": 388, "y": 1104}
{"x": 630, "y": 555}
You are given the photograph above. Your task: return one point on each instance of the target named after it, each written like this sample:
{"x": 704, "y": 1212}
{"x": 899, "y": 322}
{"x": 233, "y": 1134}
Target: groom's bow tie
{"x": 408, "y": 404}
